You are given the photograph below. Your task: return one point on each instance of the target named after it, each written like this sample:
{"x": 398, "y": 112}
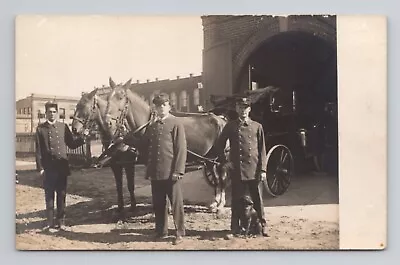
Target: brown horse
{"x": 91, "y": 109}
{"x": 128, "y": 110}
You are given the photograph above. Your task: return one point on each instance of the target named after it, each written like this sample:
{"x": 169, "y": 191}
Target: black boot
{"x": 133, "y": 204}
{"x": 50, "y": 218}
{"x": 60, "y": 222}
{"x": 264, "y": 230}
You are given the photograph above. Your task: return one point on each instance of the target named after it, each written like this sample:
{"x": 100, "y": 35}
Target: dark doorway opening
{"x": 304, "y": 68}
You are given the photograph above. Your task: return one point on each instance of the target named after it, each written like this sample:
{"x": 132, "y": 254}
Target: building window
{"x": 29, "y": 110}
{"x": 72, "y": 112}
{"x": 173, "y": 101}
{"x": 184, "y": 101}
{"x": 196, "y": 97}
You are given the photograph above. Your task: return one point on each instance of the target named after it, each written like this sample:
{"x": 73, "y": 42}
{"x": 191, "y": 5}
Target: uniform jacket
{"x": 51, "y": 146}
{"x": 167, "y": 148}
{"x": 247, "y": 148}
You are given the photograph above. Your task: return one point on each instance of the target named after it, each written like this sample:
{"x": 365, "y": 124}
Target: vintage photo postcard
{"x": 213, "y": 132}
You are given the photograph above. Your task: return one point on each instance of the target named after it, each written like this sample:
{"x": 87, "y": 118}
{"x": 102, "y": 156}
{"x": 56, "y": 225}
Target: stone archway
{"x": 324, "y": 29}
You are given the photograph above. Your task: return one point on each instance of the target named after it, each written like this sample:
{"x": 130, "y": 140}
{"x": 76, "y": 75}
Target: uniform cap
{"x": 51, "y": 104}
{"x": 243, "y": 101}
{"x": 160, "y": 99}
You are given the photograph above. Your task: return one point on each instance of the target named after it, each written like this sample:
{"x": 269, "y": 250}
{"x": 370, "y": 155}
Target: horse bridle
{"x": 121, "y": 120}
{"x": 89, "y": 121}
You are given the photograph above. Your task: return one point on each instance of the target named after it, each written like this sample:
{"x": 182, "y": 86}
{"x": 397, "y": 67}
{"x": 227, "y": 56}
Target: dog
{"x": 249, "y": 221}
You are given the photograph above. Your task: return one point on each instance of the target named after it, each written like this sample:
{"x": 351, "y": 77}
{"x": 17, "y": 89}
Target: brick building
{"x": 30, "y": 111}
{"x": 186, "y": 94}
{"x": 295, "y": 53}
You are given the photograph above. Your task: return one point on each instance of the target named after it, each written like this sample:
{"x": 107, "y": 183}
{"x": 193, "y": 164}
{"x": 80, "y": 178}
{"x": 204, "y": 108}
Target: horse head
{"x": 84, "y": 112}
{"x": 116, "y": 109}
{"x": 126, "y": 111}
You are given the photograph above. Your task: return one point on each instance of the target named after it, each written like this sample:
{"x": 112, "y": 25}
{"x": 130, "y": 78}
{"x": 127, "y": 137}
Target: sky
{"x": 68, "y": 55}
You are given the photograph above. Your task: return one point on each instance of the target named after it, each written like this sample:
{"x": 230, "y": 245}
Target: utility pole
{"x": 32, "y": 113}
{"x": 250, "y": 77}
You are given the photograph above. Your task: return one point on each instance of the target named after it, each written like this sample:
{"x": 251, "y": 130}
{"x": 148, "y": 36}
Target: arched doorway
{"x": 293, "y": 61}
{"x": 304, "y": 68}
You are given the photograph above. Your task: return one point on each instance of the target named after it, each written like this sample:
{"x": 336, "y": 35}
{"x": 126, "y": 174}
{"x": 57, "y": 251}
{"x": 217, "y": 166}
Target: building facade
{"x": 30, "y": 111}
{"x": 294, "y": 53}
{"x": 186, "y": 94}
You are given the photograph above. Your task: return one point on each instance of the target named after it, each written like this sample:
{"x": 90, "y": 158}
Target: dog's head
{"x": 247, "y": 205}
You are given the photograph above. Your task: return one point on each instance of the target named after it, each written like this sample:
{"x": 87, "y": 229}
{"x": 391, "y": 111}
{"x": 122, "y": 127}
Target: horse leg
{"x": 222, "y": 183}
{"x": 222, "y": 201}
{"x": 169, "y": 206}
{"x": 217, "y": 197}
{"x": 130, "y": 177}
{"x": 117, "y": 170}
{"x": 218, "y": 194}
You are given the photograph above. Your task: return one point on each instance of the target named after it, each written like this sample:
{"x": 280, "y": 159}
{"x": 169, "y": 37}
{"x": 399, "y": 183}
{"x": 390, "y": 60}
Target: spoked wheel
{"x": 280, "y": 170}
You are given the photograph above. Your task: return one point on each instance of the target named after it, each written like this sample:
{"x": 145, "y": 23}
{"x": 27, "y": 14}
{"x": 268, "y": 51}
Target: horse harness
{"x": 89, "y": 121}
{"x": 121, "y": 120}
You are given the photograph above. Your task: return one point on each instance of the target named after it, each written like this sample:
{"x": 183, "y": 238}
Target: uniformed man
{"x": 52, "y": 139}
{"x": 247, "y": 161}
{"x": 166, "y": 166}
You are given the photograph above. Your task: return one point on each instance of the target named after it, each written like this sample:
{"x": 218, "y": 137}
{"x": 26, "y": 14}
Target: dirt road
{"x": 306, "y": 217}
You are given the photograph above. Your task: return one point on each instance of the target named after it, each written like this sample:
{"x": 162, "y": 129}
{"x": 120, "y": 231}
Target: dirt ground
{"x": 306, "y": 217}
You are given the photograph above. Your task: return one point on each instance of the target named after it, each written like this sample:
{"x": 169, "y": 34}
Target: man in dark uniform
{"x": 247, "y": 162}
{"x": 166, "y": 166}
{"x": 52, "y": 139}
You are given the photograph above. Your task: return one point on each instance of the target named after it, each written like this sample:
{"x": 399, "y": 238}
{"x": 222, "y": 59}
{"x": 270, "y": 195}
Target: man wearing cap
{"x": 52, "y": 139}
{"x": 247, "y": 161}
{"x": 166, "y": 166}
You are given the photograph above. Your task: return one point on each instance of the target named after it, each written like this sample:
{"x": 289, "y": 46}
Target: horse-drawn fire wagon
{"x": 293, "y": 136}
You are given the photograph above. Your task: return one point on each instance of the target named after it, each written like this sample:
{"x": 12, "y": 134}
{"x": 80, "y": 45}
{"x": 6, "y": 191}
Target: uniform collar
{"x": 245, "y": 122}
{"x": 51, "y": 123}
{"x": 162, "y": 120}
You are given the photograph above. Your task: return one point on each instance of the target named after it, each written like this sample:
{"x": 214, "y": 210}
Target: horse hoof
{"x": 132, "y": 209}
{"x": 213, "y": 206}
{"x": 213, "y": 210}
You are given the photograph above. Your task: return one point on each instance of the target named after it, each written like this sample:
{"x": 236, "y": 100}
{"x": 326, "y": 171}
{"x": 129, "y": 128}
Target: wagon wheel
{"x": 280, "y": 170}
{"x": 209, "y": 171}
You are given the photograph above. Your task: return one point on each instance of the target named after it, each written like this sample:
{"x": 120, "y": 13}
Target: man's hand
{"x": 263, "y": 176}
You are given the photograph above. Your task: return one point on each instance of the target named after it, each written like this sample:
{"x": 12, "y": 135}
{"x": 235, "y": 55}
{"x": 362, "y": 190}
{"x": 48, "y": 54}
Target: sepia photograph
{"x": 213, "y": 132}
